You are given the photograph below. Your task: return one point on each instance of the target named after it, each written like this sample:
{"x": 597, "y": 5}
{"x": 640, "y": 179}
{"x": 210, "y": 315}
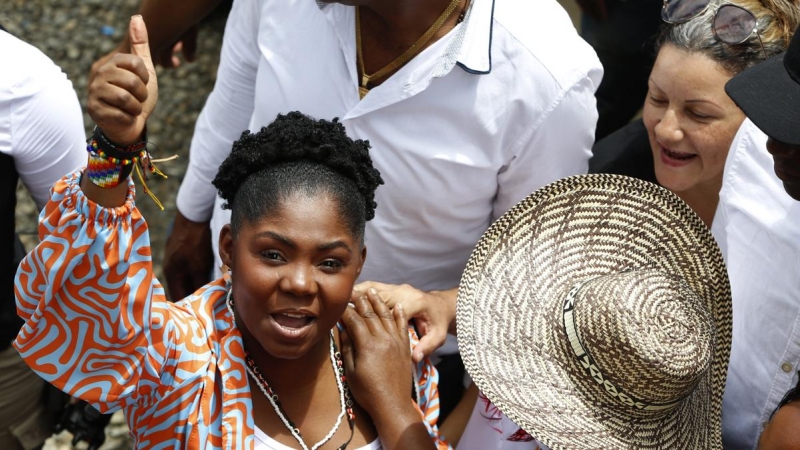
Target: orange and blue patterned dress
{"x": 99, "y": 327}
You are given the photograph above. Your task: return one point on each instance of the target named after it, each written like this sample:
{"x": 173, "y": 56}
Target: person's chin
{"x": 793, "y": 189}
{"x": 674, "y": 179}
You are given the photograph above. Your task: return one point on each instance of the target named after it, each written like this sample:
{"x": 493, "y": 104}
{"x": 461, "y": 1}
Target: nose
{"x": 668, "y": 130}
{"x": 298, "y": 279}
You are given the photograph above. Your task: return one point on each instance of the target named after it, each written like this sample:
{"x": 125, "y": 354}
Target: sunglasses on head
{"x": 731, "y": 24}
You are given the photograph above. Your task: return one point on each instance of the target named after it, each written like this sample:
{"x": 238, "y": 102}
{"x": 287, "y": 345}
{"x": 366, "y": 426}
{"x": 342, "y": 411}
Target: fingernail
{"x": 399, "y": 307}
{"x": 351, "y": 304}
{"x": 136, "y": 15}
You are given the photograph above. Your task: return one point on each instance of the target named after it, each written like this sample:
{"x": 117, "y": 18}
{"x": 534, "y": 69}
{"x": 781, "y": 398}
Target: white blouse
{"x": 264, "y": 442}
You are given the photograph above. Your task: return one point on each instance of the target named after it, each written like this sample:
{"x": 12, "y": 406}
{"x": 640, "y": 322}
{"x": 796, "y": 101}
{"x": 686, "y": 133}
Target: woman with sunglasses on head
{"x": 694, "y": 140}
{"x": 252, "y": 360}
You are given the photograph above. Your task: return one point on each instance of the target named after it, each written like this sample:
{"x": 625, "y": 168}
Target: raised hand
{"x": 124, "y": 92}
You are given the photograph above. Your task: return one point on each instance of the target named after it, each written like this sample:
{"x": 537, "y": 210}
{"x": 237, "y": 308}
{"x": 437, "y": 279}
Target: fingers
{"x": 427, "y": 345}
{"x": 401, "y": 325}
{"x": 357, "y": 329}
{"x": 348, "y": 353}
{"x": 140, "y": 45}
{"x": 363, "y": 305}
{"x": 382, "y": 311}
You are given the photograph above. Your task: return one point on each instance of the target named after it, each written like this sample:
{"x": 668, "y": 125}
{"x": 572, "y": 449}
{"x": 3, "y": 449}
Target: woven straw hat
{"x": 596, "y": 314}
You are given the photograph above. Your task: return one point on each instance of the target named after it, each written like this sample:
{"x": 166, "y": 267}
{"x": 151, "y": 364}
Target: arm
{"x": 376, "y": 355}
{"x": 188, "y": 257}
{"x": 86, "y": 292}
{"x": 44, "y": 127}
{"x": 557, "y": 147}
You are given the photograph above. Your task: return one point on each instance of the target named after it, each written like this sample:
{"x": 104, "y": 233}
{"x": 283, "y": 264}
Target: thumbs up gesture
{"x": 124, "y": 92}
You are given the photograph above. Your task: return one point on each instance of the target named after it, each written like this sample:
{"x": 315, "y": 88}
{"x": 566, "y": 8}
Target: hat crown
{"x": 647, "y": 337}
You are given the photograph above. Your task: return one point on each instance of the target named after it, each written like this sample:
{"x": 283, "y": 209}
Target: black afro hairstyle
{"x": 298, "y": 154}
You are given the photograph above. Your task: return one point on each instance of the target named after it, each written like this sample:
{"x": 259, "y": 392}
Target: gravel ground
{"x": 74, "y": 34}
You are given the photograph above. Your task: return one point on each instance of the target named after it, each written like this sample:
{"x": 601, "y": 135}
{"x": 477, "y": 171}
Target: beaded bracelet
{"x": 111, "y": 164}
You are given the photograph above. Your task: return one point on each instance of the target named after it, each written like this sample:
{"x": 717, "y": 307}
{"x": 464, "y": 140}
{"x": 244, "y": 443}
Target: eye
{"x": 272, "y": 255}
{"x": 657, "y": 101}
{"x": 331, "y": 265}
{"x": 698, "y": 116}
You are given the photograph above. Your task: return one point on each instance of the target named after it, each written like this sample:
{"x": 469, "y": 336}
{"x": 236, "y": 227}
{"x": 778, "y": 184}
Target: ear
{"x": 363, "y": 258}
{"x": 226, "y": 245}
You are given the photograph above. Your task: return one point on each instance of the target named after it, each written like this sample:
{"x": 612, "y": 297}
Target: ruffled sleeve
{"x": 96, "y": 319}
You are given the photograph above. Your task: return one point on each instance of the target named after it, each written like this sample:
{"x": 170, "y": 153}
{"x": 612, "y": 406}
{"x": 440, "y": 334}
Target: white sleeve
{"x": 41, "y": 124}
{"x": 559, "y": 146}
{"x": 227, "y": 111}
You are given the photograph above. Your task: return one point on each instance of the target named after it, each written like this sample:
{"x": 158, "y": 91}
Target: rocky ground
{"x": 74, "y": 34}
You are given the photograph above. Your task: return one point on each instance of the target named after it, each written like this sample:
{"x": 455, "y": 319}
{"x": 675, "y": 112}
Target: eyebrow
{"x": 288, "y": 242}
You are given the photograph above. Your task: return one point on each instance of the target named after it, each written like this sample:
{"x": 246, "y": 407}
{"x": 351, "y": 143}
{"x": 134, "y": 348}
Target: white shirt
{"x": 499, "y": 107}
{"x": 264, "y": 442}
{"x": 490, "y": 429}
{"x": 757, "y": 226}
{"x": 41, "y": 125}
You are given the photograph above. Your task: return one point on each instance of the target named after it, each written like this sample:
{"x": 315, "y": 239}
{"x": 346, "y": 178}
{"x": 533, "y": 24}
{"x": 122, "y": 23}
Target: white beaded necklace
{"x": 345, "y": 399}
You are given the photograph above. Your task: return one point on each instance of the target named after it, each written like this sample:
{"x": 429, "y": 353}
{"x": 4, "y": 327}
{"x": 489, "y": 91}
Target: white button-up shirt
{"x": 41, "y": 125}
{"x": 499, "y": 107}
{"x": 757, "y": 226}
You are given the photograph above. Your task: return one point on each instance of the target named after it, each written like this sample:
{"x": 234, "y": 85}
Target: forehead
{"x": 304, "y": 216}
{"x": 691, "y": 75}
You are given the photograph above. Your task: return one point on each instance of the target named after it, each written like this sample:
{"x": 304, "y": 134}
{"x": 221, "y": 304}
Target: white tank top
{"x": 264, "y": 442}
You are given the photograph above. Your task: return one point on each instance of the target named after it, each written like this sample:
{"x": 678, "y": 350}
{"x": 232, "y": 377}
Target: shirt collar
{"x": 475, "y": 38}
{"x": 471, "y": 48}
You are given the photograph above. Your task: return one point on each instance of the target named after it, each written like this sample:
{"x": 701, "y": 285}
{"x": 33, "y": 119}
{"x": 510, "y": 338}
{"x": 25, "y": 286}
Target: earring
{"x": 227, "y": 273}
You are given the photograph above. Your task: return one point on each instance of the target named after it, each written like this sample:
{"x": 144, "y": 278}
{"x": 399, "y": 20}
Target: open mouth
{"x": 292, "y": 321}
{"x": 678, "y": 156}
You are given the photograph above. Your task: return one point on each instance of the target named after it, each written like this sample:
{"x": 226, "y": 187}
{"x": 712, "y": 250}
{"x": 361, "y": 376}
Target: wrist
{"x": 448, "y": 299}
{"x": 397, "y": 418}
{"x": 110, "y": 164}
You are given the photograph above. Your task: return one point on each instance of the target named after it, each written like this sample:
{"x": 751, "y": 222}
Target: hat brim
{"x": 770, "y": 98}
{"x": 511, "y": 296}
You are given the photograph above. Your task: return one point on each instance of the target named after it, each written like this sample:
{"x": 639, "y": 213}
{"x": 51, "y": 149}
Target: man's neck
{"x": 389, "y": 28}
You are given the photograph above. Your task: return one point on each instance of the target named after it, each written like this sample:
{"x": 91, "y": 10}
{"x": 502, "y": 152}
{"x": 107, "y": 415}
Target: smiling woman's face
{"x": 292, "y": 274}
{"x": 690, "y": 120}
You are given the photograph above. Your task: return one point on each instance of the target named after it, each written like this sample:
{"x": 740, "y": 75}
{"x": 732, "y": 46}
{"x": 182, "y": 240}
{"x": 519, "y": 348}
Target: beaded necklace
{"x": 345, "y": 398}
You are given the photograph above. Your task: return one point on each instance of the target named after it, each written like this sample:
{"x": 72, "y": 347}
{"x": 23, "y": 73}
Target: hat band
{"x": 588, "y": 363}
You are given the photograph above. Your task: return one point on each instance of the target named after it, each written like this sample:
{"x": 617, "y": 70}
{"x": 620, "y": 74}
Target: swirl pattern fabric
{"x": 99, "y": 327}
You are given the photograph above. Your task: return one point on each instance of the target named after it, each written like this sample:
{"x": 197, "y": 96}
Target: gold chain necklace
{"x": 412, "y": 51}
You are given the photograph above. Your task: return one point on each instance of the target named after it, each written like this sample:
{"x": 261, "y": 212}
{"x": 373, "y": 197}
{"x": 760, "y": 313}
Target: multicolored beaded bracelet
{"x": 111, "y": 164}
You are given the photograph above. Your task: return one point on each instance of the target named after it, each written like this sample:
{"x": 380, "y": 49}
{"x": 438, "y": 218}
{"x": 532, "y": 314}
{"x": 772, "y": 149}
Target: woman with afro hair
{"x": 277, "y": 354}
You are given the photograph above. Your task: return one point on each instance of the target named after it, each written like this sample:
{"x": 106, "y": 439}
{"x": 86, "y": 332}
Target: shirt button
{"x": 786, "y": 367}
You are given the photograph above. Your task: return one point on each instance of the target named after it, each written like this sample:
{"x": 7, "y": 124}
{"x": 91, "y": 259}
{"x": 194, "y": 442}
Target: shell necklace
{"x": 345, "y": 398}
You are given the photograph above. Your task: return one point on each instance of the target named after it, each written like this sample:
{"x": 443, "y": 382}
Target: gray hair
{"x": 775, "y": 27}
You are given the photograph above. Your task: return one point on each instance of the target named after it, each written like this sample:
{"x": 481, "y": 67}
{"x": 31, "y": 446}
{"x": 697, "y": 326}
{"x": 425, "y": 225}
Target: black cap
{"x": 769, "y": 94}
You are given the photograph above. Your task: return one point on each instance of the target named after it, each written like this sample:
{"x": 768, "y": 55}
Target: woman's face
{"x": 292, "y": 274}
{"x": 690, "y": 120}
